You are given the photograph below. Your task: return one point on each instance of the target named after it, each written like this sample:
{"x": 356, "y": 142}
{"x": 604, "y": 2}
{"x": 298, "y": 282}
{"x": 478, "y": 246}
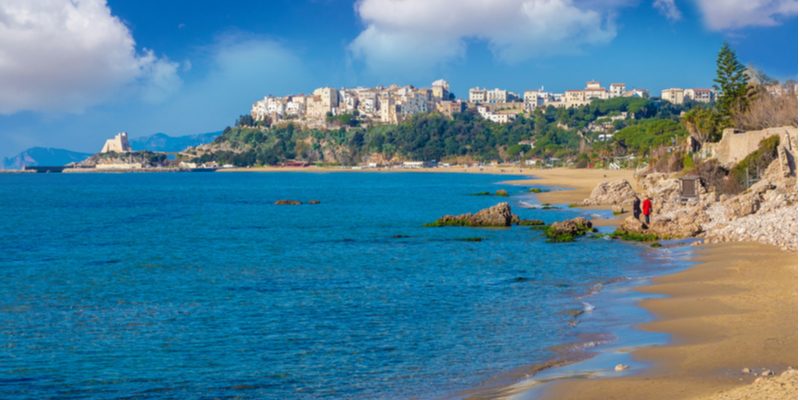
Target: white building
{"x": 616, "y": 90}
{"x": 477, "y": 95}
{"x": 701, "y": 95}
{"x": 416, "y": 164}
{"x": 496, "y": 96}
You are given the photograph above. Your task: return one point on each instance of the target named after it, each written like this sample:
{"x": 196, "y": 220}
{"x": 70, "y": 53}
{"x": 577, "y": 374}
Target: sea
{"x": 197, "y": 286}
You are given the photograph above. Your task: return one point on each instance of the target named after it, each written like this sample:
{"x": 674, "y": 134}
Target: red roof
{"x": 702, "y": 90}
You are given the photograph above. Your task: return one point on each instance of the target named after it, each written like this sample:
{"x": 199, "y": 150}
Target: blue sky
{"x": 76, "y": 73}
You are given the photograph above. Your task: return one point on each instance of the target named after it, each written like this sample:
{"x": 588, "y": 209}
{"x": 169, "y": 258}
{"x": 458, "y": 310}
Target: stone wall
{"x": 736, "y": 145}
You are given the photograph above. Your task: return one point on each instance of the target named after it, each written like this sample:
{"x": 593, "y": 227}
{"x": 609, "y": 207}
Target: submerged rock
{"x": 313, "y": 202}
{"x": 288, "y": 202}
{"x": 496, "y": 216}
{"x": 530, "y": 222}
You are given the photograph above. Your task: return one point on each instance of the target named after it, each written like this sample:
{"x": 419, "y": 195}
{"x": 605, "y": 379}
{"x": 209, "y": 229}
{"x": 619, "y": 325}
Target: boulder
{"x": 288, "y": 202}
{"x": 762, "y": 186}
{"x": 566, "y": 231}
{"x": 742, "y": 205}
{"x": 614, "y": 192}
{"x": 501, "y": 193}
{"x": 496, "y": 216}
{"x": 617, "y": 210}
{"x": 499, "y": 215}
{"x": 632, "y": 225}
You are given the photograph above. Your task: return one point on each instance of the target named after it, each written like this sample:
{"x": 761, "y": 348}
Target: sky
{"x": 76, "y": 72}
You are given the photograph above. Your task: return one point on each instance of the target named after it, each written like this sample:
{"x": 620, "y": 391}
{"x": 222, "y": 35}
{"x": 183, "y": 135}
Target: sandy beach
{"x": 735, "y": 310}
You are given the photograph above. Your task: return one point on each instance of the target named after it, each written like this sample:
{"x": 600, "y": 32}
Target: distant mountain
{"x": 162, "y": 142}
{"x": 42, "y": 156}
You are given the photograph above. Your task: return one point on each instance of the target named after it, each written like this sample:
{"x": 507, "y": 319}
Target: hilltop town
{"x": 393, "y": 104}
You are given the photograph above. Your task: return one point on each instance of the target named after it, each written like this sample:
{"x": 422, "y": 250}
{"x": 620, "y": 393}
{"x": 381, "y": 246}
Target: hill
{"x": 560, "y": 133}
{"x": 41, "y": 156}
{"x": 162, "y": 142}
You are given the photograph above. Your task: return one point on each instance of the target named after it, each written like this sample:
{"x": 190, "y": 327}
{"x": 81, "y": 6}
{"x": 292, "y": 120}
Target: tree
{"x": 702, "y": 124}
{"x": 731, "y": 82}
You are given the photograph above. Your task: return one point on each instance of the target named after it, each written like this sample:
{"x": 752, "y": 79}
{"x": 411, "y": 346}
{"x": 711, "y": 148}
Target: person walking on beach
{"x": 647, "y": 208}
{"x": 636, "y": 207}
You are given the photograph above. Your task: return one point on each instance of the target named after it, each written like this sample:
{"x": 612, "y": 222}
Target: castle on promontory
{"x": 119, "y": 144}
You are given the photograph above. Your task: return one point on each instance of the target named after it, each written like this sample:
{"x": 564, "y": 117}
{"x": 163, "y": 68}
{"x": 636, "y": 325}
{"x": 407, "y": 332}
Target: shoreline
{"x": 736, "y": 309}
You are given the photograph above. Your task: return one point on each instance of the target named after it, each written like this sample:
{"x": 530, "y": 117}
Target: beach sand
{"x": 735, "y": 310}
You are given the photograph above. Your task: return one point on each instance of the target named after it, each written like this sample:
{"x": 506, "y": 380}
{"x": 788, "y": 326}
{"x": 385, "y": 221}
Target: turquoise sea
{"x": 174, "y": 286}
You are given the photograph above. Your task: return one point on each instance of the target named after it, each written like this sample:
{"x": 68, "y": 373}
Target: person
{"x": 636, "y": 207}
{"x": 647, "y": 208}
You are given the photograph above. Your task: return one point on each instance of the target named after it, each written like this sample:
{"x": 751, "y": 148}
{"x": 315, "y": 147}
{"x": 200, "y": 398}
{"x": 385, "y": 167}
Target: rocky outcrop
{"x": 742, "y": 206}
{"x": 288, "y": 202}
{"x": 632, "y": 225}
{"x": 496, "y": 216}
{"x": 574, "y": 226}
{"x": 774, "y": 220}
{"x": 615, "y": 192}
{"x": 567, "y": 231}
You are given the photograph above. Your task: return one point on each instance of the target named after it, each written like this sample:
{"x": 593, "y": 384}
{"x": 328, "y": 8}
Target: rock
{"x": 501, "y": 193}
{"x": 767, "y": 373}
{"x": 620, "y": 367}
{"x": 614, "y": 192}
{"x": 632, "y": 225}
{"x": 313, "y": 202}
{"x": 762, "y": 186}
{"x": 617, "y": 210}
{"x": 514, "y": 219}
{"x": 496, "y": 216}
{"x": 566, "y": 231}
{"x": 742, "y": 205}
{"x": 758, "y": 380}
{"x": 288, "y": 202}
{"x": 784, "y": 158}
{"x": 530, "y": 222}
{"x": 746, "y": 370}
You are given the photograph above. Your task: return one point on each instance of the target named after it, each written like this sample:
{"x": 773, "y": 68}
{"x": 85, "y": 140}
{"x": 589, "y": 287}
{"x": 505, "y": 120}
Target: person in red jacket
{"x": 647, "y": 208}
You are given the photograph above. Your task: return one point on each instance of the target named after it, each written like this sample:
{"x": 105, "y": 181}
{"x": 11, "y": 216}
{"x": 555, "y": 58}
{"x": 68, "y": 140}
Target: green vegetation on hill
{"x": 556, "y": 132}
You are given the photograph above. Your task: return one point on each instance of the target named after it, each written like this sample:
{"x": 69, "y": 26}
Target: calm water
{"x": 197, "y": 286}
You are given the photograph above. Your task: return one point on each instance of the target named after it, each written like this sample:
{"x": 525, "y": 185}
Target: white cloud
{"x": 421, "y": 34}
{"x": 66, "y": 55}
{"x": 731, "y": 14}
{"x": 668, "y": 9}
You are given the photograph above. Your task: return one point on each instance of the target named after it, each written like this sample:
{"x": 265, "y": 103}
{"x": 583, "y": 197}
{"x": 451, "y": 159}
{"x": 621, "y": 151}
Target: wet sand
{"x": 735, "y": 310}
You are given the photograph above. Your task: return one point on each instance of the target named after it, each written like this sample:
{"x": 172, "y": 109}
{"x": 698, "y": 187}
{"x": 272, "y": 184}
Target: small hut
{"x": 690, "y": 188}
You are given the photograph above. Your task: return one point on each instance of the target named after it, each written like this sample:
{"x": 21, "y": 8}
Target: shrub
{"x": 688, "y": 161}
{"x": 758, "y": 160}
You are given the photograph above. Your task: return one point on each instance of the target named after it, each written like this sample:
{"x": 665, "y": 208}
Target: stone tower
{"x": 119, "y": 144}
